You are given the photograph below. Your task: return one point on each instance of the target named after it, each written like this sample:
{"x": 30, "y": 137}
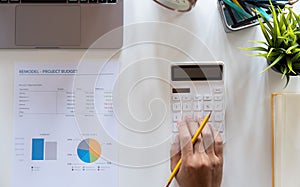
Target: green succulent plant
{"x": 282, "y": 45}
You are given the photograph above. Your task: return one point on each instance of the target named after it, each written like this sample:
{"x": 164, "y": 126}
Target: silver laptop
{"x": 61, "y": 23}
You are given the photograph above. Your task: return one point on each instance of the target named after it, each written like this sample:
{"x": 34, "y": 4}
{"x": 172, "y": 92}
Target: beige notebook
{"x": 286, "y": 140}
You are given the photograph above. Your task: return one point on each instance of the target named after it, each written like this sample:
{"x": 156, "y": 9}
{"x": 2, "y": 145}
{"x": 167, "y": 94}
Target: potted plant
{"x": 282, "y": 46}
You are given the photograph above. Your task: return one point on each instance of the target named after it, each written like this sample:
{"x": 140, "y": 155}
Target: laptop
{"x": 61, "y": 23}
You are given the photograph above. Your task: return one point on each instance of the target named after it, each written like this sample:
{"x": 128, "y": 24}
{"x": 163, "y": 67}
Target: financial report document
{"x": 65, "y": 129}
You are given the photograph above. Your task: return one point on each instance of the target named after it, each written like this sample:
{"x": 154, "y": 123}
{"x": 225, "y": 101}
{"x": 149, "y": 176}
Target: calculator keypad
{"x": 199, "y": 106}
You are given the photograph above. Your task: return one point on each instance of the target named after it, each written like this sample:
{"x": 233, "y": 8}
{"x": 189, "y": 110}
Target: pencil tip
{"x": 209, "y": 114}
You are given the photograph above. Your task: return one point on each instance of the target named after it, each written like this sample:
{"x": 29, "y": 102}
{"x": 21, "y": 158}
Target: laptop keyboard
{"x": 60, "y": 1}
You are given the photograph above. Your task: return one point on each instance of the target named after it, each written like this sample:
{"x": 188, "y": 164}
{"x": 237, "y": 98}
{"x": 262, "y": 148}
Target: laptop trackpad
{"x": 44, "y": 26}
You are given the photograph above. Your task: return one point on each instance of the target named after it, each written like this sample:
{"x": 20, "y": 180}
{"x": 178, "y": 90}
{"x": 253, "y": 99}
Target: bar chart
{"x": 43, "y": 150}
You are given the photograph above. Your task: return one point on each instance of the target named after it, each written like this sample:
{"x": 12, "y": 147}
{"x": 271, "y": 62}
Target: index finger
{"x": 208, "y": 140}
{"x": 185, "y": 140}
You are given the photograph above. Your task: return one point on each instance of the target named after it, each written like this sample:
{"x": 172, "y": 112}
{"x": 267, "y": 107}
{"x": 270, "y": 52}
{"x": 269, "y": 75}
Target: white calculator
{"x": 197, "y": 88}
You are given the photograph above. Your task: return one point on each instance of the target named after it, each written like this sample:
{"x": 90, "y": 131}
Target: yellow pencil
{"x": 238, "y": 4}
{"x": 194, "y": 139}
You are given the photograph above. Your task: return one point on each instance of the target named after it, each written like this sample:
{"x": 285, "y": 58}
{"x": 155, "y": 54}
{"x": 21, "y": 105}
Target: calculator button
{"x": 176, "y": 116}
{"x": 218, "y": 106}
{"x": 207, "y": 98}
{"x": 208, "y": 106}
{"x": 198, "y": 97}
{"x": 175, "y": 98}
{"x": 197, "y": 106}
{"x": 186, "y": 106}
{"x": 187, "y": 114}
{"x": 174, "y": 137}
{"x": 219, "y": 126}
{"x": 186, "y": 97}
{"x": 218, "y": 97}
{"x": 218, "y": 90}
{"x": 218, "y": 116}
{"x": 175, "y": 127}
{"x": 176, "y": 106}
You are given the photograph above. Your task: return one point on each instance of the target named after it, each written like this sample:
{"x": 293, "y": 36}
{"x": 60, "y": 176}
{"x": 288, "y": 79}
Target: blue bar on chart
{"x": 37, "y": 149}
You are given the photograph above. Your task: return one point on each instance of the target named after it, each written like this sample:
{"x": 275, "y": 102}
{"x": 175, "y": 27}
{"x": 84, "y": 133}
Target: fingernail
{"x": 188, "y": 118}
{"x": 176, "y": 139}
{"x": 179, "y": 122}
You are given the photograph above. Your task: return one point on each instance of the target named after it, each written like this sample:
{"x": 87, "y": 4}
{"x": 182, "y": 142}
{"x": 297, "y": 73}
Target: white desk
{"x": 248, "y": 130}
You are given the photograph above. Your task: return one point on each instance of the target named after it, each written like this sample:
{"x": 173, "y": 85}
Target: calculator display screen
{"x": 197, "y": 72}
{"x": 181, "y": 90}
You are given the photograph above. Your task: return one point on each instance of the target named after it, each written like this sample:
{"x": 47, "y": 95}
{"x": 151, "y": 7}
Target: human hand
{"x": 202, "y": 164}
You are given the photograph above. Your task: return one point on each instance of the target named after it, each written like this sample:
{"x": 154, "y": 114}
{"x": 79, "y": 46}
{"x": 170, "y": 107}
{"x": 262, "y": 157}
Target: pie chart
{"x": 89, "y": 150}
